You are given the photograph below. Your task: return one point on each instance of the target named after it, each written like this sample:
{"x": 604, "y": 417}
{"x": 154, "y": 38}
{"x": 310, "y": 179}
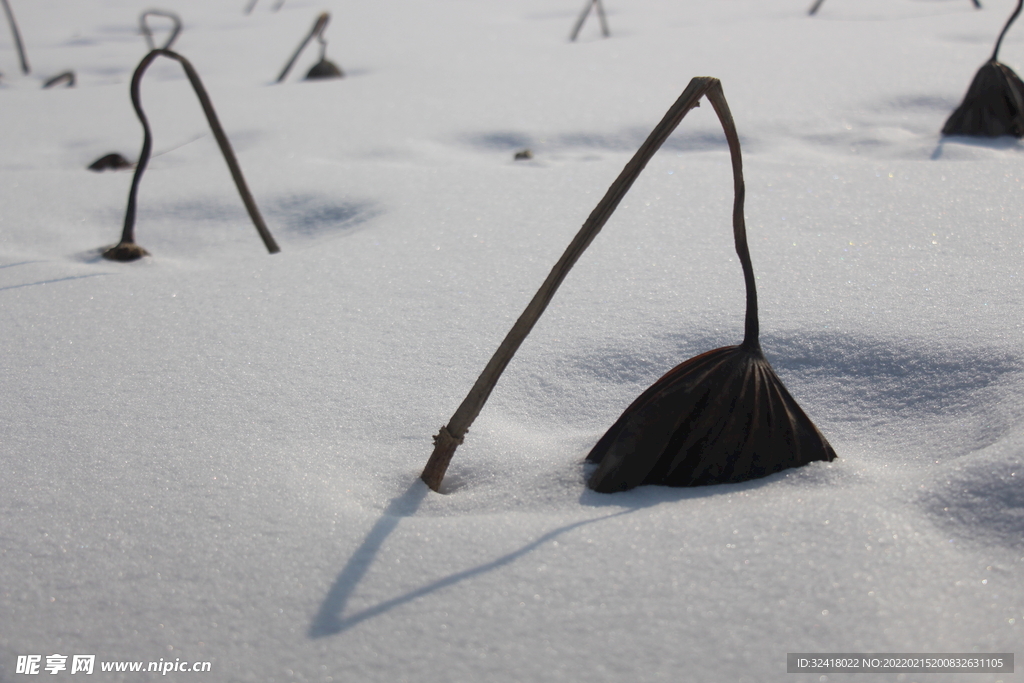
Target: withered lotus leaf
{"x": 994, "y": 103}
{"x": 723, "y": 416}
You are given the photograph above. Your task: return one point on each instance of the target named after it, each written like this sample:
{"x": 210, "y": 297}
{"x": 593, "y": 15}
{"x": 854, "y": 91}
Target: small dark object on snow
{"x": 127, "y": 249}
{"x": 110, "y": 162}
{"x": 523, "y": 154}
{"x": 994, "y": 103}
{"x": 66, "y": 77}
{"x": 323, "y": 68}
{"x": 586, "y": 13}
{"x": 720, "y": 417}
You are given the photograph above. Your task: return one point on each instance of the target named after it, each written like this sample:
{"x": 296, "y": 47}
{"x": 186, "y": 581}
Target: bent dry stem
{"x": 452, "y": 434}
{"x": 17, "y": 37}
{"x": 316, "y": 32}
{"x": 147, "y": 33}
{"x": 127, "y": 249}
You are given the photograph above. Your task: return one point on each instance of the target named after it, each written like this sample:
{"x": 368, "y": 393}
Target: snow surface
{"x": 213, "y": 454}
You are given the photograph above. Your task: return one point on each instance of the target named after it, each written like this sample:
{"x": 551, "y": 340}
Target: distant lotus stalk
{"x": 994, "y": 103}
{"x": 818, "y": 3}
{"x": 723, "y": 416}
{"x": 147, "y": 33}
{"x": 17, "y": 37}
{"x": 67, "y": 77}
{"x": 591, "y": 4}
{"x": 127, "y": 249}
{"x": 252, "y": 3}
{"x": 323, "y": 68}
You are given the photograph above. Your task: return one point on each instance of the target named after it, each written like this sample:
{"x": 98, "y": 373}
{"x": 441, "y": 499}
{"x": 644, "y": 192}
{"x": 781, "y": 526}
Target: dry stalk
{"x": 316, "y": 32}
{"x": 451, "y": 435}
{"x": 583, "y": 17}
{"x": 127, "y": 249}
{"x": 252, "y": 3}
{"x": 147, "y": 33}
{"x": 17, "y": 37}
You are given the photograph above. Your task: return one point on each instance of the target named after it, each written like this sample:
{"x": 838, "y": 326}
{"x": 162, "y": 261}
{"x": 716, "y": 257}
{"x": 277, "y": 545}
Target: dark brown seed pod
{"x": 994, "y": 103}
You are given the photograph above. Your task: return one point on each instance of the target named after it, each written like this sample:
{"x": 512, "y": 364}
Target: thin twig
{"x": 252, "y": 3}
{"x": 452, "y": 434}
{"x": 128, "y": 234}
{"x": 604, "y": 20}
{"x": 17, "y": 37}
{"x": 148, "y": 34}
{"x": 583, "y": 17}
{"x": 318, "y": 28}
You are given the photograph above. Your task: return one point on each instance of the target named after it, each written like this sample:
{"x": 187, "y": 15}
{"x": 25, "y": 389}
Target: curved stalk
{"x": 127, "y": 249}
{"x": 999, "y": 42}
{"x": 17, "y": 37}
{"x": 148, "y": 34}
{"x": 452, "y": 434}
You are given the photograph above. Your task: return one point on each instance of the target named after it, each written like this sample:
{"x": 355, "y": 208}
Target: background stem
{"x": 17, "y": 37}
{"x": 128, "y": 235}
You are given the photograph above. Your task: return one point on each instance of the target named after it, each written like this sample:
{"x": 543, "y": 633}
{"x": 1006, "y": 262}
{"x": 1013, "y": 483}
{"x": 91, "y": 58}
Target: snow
{"x": 213, "y": 454}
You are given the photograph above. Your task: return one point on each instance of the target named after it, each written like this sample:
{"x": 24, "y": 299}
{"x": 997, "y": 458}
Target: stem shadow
{"x": 330, "y": 619}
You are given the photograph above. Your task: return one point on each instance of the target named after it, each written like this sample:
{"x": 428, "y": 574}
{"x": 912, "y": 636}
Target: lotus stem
{"x": 317, "y": 31}
{"x": 999, "y": 42}
{"x": 252, "y": 3}
{"x": 451, "y": 435}
{"x": 17, "y": 37}
{"x": 127, "y": 246}
{"x": 148, "y": 34}
{"x": 583, "y": 17}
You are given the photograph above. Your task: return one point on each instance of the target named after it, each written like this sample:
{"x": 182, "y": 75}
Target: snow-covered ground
{"x": 212, "y": 455}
